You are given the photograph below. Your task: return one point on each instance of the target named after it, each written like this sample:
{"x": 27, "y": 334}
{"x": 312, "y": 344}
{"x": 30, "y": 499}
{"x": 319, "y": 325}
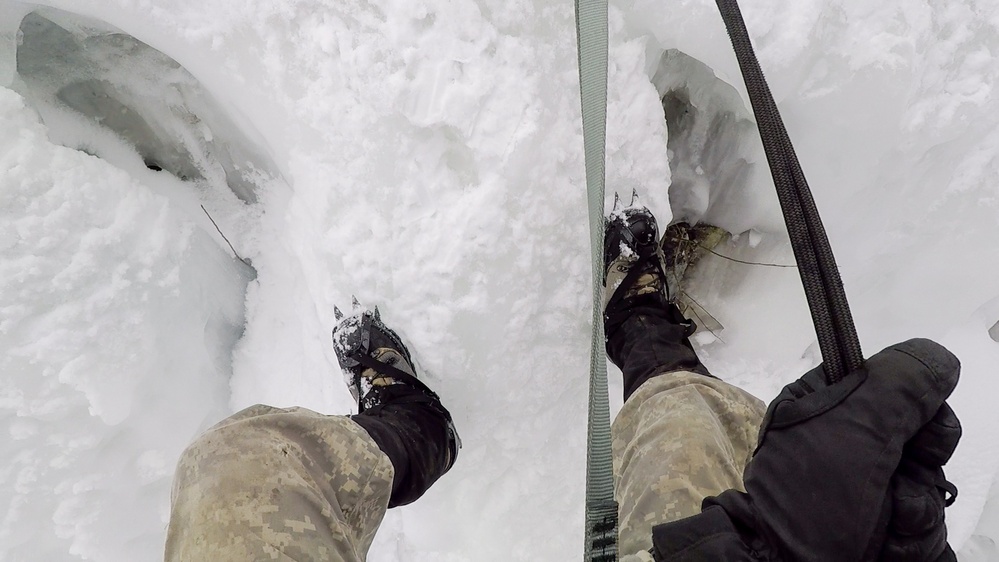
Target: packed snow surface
{"x": 426, "y": 156}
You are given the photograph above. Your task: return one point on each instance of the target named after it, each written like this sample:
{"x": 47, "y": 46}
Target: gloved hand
{"x": 920, "y": 492}
{"x": 850, "y": 471}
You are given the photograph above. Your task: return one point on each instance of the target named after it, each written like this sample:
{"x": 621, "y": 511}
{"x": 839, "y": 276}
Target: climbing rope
{"x": 820, "y": 277}
{"x": 601, "y": 509}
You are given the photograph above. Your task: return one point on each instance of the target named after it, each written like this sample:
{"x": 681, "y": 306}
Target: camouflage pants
{"x": 279, "y": 484}
{"x": 680, "y": 437}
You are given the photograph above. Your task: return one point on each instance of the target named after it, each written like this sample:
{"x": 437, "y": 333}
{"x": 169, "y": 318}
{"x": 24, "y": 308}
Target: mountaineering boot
{"x": 683, "y": 246}
{"x": 656, "y": 267}
{"x": 632, "y": 255}
{"x": 361, "y": 338}
{"x": 646, "y": 333}
{"x": 404, "y": 417}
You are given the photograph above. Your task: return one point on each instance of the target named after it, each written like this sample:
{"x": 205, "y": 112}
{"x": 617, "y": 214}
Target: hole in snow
{"x": 101, "y": 91}
{"x": 96, "y": 99}
{"x": 713, "y": 145}
{"x": 68, "y": 63}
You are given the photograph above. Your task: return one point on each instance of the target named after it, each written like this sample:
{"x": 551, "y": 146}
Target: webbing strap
{"x": 820, "y": 276}
{"x": 601, "y": 509}
{"x": 393, "y": 372}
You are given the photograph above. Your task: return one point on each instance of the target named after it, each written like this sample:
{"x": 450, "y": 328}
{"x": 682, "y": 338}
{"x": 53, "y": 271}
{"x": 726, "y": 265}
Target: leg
{"x": 681, "y": 437}
{"x": 682, "y": 434}
{"x": 415, "y": 437}
{"x": 273, "y": 484}
{"x": 269, "y": 484}
{"x": 648, "y": 338}
{"x": 397, "y": 409}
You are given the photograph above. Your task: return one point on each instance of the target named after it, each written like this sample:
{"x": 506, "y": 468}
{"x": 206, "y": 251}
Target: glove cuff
{"x": 710, "y": 535}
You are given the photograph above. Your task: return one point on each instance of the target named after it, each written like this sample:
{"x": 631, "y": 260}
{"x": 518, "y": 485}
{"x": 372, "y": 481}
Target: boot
{"x": 404, "y": 417}
{"x": 633, "y": 258}
{"x": 646, "y": 333}
{"x": 683, "y": 246}
{"x": 372, "y": 357}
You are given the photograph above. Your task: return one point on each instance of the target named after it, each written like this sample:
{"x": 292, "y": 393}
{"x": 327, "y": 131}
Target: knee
{"x": 230, "y": 458}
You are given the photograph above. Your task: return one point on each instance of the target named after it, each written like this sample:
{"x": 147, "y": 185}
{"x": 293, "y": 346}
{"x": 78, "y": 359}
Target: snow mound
{"x": 121, "y": 305}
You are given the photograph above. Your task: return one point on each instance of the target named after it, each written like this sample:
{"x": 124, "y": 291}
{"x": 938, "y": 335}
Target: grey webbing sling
{"x": 601, "y": 509}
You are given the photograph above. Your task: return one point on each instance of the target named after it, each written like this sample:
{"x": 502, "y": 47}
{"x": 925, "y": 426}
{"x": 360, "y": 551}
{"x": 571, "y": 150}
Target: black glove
{"x": 920, "y": 492}
{"x": 848, "y": 472}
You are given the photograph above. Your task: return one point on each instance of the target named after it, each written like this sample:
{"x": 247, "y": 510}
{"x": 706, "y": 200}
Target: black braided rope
{"x": 820, "y": 276}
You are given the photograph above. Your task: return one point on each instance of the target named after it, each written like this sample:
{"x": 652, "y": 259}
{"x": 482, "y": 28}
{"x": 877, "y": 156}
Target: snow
{"x": 426, "y": 157}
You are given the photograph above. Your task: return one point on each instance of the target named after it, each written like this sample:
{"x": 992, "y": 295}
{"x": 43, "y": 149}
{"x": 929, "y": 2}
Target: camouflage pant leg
{"x": 279, "y": 484}
{"x": 679, "y": 438}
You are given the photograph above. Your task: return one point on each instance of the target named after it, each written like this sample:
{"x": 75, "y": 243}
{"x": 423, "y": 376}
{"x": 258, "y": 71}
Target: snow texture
{"x": 426, "y": 156}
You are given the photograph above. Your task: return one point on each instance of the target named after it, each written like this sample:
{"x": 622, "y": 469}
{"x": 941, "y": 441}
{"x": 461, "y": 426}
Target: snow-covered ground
{"x": 426, "y": 156}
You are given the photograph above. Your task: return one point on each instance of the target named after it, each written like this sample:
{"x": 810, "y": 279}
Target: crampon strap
{"x": 636, "y": 271}
{"x": 395, "y": 373}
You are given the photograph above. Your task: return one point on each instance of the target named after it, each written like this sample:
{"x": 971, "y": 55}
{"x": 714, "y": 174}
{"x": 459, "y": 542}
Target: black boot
{"x": 646, "y": 333}
{"x": 404, "y": 417}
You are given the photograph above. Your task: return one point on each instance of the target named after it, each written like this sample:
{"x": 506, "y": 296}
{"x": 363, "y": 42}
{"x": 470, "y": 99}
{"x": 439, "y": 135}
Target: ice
{"x": 101, "y": 75}
{"x": 119, "y": 315}
{"x": 426, "y": 156}
{"x": 718, "y": 169}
